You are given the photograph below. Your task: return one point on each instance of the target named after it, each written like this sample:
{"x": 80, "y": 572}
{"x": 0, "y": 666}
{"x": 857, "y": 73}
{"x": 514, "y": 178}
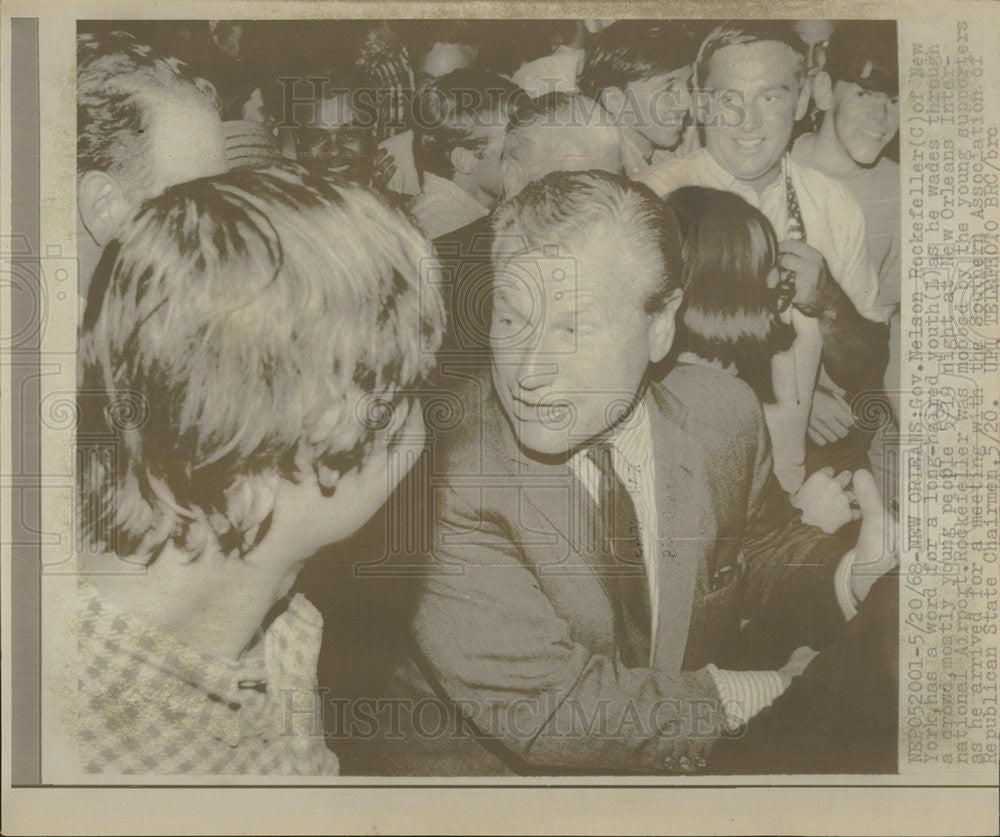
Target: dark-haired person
{"x": 857, "y": 94}
{"x": 599, "y": 537}
{"x": 640, "y": 72}
{"x": 461, "y": 122}
{"x": 752, "y": 77}
{"x": 335, "y": 127}
{"x": 144, "y": 122}
{"x": 730, "y": 318}
{"x": 435, "y": 48}
{"x": 262, "y": 319}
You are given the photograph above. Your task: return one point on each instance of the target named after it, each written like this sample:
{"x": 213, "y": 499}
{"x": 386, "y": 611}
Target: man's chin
{"x": 753, "y": 173}
{"x": 539, "y": 442}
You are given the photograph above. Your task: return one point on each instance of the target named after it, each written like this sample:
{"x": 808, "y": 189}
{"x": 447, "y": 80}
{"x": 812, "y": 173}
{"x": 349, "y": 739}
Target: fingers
{"x": 843, "y": 479}
{"x": 871, "y": 558}
{"x": 836, "y": 396}
{"x": 796, "y": 264}
{"x": 792, "y": 248}
{"x": 816, "y": 437}
{"x": 824, "y": 502}
{"x": 866, "y": 491}
{"x": 819, "y": 426}
{"x": 840, "y": 408}
{"x": 831, "y": 418}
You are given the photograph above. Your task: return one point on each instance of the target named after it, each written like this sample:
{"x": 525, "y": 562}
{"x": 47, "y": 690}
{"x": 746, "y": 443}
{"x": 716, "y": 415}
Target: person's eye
{"x": 504, "y": 322}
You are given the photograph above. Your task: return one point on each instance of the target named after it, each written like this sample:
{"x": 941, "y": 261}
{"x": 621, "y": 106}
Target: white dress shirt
{"x": 835, "y": 226}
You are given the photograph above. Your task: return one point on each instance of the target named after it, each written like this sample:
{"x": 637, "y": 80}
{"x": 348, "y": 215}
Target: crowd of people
{"x": 496, "y": 389}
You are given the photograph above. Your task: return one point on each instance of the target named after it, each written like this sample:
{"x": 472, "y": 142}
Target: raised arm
{"x": 855, "y": 348}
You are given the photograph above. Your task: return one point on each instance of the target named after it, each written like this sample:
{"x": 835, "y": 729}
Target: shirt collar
{"x": 298, "y": 627}
{"x": 629, "y": 439}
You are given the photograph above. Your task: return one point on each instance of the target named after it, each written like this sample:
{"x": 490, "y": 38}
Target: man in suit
{"x": 600, "y": 540}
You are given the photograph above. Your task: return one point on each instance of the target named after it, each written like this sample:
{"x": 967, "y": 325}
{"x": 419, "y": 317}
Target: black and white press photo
{"x": 495, "y": 386}
{"x": 595, "y": 417}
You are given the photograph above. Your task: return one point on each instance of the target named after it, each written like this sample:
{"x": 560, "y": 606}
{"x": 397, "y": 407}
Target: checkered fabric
{"x": 148, "y": 704}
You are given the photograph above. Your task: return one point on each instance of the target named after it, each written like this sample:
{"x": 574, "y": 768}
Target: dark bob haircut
{"x": 729, "y": 249}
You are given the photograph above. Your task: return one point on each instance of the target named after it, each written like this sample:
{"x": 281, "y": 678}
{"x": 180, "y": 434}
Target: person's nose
{"x": 885, "y": 113}
{"x": 537, "y": 367}
{"x": 751, "y": 118}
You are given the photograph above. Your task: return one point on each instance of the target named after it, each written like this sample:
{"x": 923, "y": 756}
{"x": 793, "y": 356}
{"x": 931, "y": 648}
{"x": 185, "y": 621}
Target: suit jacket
{"x": 513, "y": 636}
{"x": 467, "y": 287}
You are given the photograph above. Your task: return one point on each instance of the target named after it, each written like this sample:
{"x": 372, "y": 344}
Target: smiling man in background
{"x": 752, "y": 86}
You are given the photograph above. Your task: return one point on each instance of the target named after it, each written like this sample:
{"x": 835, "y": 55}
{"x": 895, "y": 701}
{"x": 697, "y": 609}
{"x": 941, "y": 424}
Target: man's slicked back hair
{"x": 567, "y": 208}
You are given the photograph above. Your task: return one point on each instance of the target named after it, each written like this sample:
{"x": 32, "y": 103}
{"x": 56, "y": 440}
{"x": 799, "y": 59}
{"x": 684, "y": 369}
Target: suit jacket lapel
{"x": 682, "y": 506}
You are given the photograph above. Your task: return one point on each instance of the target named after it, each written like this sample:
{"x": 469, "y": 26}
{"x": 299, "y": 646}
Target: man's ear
{"x": 822, "y": 90}
{"x": 103, "y": 205}
{"x": 513, "y": 177}
{"x": 802, "y": 105}
{"x": 464, "y": 160}
{"x": 612, "y": 99}
{"x": 663, "y": 327}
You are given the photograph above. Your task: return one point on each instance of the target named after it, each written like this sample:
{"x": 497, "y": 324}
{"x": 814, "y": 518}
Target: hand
{"x": 831, "y": 417}
{"x": 797, "y": 663}
{"x": 871, "y": 560}
{"x": 825, "y": 501}
{"x": 810, "y": 270}
{"x": 383, "y": 168}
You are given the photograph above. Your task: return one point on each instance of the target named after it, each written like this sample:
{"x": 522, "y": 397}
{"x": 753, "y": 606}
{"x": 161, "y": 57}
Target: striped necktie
{"x": 619, "y": 543}
{"x": 796, "y": 226}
